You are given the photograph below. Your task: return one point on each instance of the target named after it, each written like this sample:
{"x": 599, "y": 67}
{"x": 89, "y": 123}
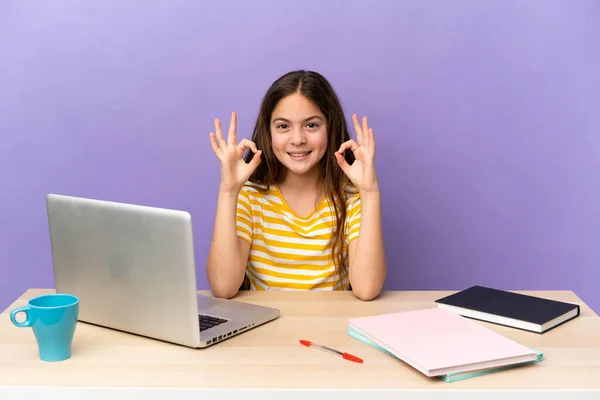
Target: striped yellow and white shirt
{"x": 288, "y": 251}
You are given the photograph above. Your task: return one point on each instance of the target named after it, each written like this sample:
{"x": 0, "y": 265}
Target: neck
{"x": 305, "y": 183}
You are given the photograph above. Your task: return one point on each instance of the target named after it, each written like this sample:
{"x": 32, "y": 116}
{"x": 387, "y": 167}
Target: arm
{"x": 368, "y": 267}
{"x": 228, "y": 253}
{"x": 366, "y": 257}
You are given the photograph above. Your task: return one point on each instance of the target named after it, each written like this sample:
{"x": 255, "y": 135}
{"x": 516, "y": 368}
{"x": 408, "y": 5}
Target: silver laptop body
{"x": 133, "y": 269}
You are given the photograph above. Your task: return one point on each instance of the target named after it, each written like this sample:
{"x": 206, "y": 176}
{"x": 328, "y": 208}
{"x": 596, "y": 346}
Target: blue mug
{"x": 53, "y": 318}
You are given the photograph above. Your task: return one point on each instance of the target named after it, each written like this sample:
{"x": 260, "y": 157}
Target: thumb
{"x": 342, "y": 162}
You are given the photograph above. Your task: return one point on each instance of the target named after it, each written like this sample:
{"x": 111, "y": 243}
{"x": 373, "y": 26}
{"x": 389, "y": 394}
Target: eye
{"x": 282, "y": 126}
{"x": 312, "y": 125}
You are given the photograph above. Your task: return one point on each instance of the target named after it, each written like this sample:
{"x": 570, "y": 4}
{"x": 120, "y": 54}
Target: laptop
{"x": 133, "y": 269}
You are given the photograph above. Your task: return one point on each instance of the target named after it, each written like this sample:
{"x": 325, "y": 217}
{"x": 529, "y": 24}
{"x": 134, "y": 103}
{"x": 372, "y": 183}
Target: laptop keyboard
{"x": 207, "y": 322}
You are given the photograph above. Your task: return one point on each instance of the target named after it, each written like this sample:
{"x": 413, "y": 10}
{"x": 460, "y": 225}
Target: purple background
{"x": 486, "y": 116}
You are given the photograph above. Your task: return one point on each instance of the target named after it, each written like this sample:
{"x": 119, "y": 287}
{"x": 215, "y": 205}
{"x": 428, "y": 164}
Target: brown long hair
{"x": 317, "y": 89}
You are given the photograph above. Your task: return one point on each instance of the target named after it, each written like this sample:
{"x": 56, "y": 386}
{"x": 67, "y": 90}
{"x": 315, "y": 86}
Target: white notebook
{"x": 437, "y": 342}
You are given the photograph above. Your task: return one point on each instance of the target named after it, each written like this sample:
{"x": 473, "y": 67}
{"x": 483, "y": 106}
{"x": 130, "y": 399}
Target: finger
{"x": 341, "y": 160}
{"x": 219, "y": 133}
{"x": 357, "y": 129}
{"x": 215, "y": 145}
{"x": 350, "y": 144}
{"x": 365, "y": 129}
{"x": 371, "y": 139}
{"x": 231, "y": 136}
{"x": 255, "y": 160}
{"x": 247, "y": 144}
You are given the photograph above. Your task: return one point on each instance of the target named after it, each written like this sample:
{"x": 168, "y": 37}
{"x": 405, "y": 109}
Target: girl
{"x": 302, "y": 209}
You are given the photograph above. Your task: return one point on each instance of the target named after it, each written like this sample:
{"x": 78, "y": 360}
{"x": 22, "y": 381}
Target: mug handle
{"x": 23, "y": 324}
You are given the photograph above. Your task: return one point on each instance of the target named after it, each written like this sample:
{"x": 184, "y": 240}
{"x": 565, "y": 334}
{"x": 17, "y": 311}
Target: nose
{"x": 298, "y": 137}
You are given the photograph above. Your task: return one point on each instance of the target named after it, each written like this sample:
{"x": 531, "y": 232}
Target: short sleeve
{"x": 243, "y": 217}
{"x": 353, "y": 214}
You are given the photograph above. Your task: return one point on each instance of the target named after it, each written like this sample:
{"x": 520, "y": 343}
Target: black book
{"x": 516, "y": 310}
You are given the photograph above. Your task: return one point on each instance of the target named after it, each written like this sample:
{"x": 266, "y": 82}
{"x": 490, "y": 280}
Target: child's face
{"x": 298, "y": 133}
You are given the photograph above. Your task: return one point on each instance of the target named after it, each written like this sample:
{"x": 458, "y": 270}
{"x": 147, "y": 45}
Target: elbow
{"x": 223, "y": 290}
{"x": 222, "y": 287}
{"x": 367, "y": 291}
{"x": 366, "y": 294}
{"x": 224, "y": 293}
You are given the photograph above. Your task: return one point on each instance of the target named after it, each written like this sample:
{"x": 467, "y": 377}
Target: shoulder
{"x": 352, "y": 195}
{"x": 351, "y": 191}
{"x": 256, "y": 193}
{"x": 253, "y": 189}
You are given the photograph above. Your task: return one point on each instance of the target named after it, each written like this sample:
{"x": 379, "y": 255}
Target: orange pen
{"x": 347, "y": 356}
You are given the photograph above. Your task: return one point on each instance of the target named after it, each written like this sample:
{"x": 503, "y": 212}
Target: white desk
{"x": 269, "y": 360}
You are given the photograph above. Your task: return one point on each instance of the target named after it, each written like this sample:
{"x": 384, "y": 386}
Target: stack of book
{"x": 440, "y": 342}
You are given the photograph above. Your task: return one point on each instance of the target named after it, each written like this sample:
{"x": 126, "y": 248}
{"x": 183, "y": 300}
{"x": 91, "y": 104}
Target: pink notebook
{"x": 437, "y": 341}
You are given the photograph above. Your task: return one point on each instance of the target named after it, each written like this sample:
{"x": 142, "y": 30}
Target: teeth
{"x": 298, "y": 154}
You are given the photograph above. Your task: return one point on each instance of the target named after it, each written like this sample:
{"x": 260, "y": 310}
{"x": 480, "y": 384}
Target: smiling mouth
{"x": 298, "y": 155}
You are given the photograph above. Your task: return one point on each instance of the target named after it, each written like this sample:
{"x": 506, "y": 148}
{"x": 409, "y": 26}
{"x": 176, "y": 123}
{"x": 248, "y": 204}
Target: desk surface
{"x": 270, "y": 356}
